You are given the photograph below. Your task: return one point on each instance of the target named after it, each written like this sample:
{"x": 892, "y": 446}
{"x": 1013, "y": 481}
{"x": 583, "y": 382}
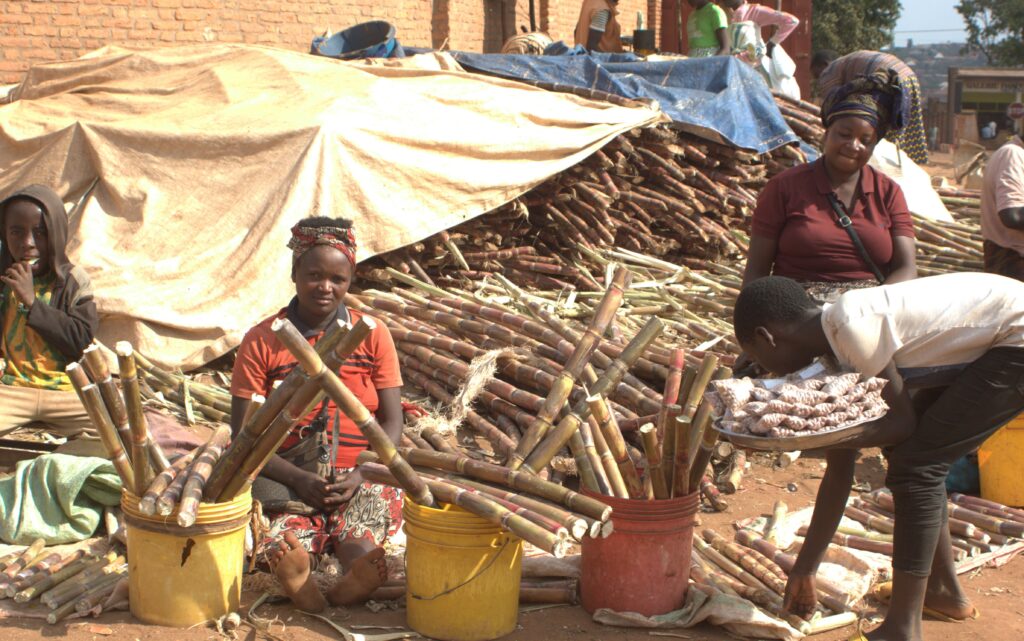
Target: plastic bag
{"x": 781, "y": 72}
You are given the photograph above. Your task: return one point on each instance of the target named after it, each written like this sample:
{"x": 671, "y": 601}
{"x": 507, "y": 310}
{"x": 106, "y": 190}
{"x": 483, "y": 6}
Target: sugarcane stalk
{"x": 712, "y": 555}
{"x": 608, "y": 464}
{"x": 147, "y": 503}
{"x": 630, "y": 487}
{"x": 770, "y": 576}
{"x": 58, "y": 576}
{"x": 588, "y": 464}
{"x": 778, "y": 516}
{"x": 515, "y": 479}
{"x": 655, "y": 473}
{"x": 76, "y": 585}
{"x": 708, "y": 437}
{"x": 91, "y": 399}
{"x": 712, "y": 495}
{"x": 228, "y": 468}
{"x": 347, "y": 402}
{"x": 563, "y": 385}
{"x": 875, "y": 522}
{"x": 96, "y": 367}
{"x": 169, "y": 499}
{"x": 19, "y": 562}
{"x": 87, "y": 599}
{"x": 561, "y": 435}
{"x": 199, "y": 472}
{"x": 978, "y": 504}
{"x": 855, "y": 542}
{"x": 734, "y": 476}
{"x": 140, "y": 439}
{"x": 575, "y": 525}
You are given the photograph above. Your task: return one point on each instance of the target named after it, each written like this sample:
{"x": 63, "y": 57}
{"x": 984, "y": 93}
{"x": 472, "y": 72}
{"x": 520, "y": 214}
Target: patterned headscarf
{"x": 305, "y": 238}
{"x": 877, "y": 98}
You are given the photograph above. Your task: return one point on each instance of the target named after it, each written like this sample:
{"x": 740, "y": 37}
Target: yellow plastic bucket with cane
{"x": 462, "y": 574}
{"x": 183, "y": 576}
{"x": 1000, "y": 461}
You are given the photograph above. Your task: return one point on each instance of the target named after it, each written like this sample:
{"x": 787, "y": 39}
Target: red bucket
{"x": 644, "y": 566}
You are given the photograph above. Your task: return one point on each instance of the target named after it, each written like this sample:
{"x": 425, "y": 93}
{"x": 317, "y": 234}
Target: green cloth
{"x": 702, "y": 25}
{"x": 56, "y": 497}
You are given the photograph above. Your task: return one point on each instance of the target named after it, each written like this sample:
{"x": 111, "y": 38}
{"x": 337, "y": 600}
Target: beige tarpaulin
{"x": 208, "y": 155}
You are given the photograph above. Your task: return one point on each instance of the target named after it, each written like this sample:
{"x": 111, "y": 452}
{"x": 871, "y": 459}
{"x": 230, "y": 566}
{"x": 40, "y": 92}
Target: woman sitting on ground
{"x": 314, "y": 509}
{"x": 800, "y": 228}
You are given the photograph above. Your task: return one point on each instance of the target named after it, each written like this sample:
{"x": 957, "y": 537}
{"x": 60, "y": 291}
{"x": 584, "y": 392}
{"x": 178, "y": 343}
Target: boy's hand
{"x": 19, "y": 278}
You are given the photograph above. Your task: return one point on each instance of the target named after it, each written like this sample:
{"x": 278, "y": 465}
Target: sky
{"x": 930, "y": 21}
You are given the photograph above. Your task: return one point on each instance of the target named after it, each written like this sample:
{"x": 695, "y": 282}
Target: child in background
{"x": 47, "y": 315}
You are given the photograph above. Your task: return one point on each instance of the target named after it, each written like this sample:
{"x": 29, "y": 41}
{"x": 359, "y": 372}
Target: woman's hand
{"x": 801, "y": 597}
{"x": 344, "y": 489}
{"x": 313, "y": 489}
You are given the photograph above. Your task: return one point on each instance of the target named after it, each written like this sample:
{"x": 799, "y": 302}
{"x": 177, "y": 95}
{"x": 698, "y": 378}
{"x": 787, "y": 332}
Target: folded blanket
{"x": 56, "y": 497}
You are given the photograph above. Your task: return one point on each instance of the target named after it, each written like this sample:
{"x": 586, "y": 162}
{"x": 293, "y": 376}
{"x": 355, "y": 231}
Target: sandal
{"x": 883, "y": 592}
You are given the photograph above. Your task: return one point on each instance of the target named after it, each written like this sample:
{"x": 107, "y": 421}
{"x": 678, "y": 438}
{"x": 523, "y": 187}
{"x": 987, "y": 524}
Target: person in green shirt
{"x": 707, "y": 29}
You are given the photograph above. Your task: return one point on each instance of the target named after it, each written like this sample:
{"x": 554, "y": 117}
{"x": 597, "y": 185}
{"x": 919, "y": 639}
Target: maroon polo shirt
{"x": 794, "y": 210}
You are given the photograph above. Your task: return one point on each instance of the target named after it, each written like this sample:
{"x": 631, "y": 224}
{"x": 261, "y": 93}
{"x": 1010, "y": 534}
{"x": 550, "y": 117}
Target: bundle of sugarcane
{"x": 117, "y": 418}
{"x": 68, "y": 567}
{"x": 84, "y": 591}
{"x": 944, "y": 247}
{"x": 998, "y": 522}
{"x": 803, "y": 117}
{"x": 546, "y": 513}
{"x": 657, "y": 190}
{"x": 181, "y": 393}
{"x": 964, "y": 204}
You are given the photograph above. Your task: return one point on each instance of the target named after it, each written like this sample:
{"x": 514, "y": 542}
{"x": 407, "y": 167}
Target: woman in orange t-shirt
{"x": 315, "y": 507}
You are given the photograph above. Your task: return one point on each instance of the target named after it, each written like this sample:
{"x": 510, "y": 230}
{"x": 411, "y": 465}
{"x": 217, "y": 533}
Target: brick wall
{"x": 35, "y": 31}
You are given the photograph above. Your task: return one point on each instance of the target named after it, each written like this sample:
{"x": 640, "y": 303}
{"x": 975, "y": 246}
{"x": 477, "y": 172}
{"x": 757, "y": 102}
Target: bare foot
{"x": 958, "y": 608}
{"x": 367, "y": 573}
{"x": 290, "y": 563}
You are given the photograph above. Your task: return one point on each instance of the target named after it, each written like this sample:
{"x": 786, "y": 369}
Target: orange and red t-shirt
{"x": 262, "y": 360}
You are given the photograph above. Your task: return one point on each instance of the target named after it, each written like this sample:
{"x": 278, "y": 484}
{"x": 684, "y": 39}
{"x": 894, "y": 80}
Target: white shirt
{"x": 926, "y": 325}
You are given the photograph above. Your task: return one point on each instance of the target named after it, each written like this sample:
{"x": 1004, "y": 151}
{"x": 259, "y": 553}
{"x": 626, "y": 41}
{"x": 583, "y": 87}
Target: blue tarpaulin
{"x": 717, "y": 97}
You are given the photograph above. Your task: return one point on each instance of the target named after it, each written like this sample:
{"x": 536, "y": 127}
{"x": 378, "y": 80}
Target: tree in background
{"x": 995, "y": 28}
{"x": 845, "y": 26}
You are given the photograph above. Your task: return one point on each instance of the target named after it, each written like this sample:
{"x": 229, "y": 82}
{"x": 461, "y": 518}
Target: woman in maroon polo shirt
{"x": 796, "y": 230}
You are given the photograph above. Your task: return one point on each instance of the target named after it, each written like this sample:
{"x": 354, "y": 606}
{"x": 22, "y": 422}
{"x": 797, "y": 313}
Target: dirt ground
{"x": 996, "y": 592}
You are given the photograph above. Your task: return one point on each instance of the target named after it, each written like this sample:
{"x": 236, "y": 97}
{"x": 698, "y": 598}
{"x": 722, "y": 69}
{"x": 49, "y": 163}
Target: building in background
{"x": 48, "y": 30}
{"x": 980, "y": 96}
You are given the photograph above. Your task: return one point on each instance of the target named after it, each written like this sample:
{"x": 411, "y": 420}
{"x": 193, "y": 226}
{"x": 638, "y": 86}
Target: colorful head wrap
{"x": 878, "y": 98}
{"x": 305, "y": 238}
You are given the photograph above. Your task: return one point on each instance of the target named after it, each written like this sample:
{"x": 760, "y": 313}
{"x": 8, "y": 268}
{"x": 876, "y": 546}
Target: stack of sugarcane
{"x": 655, "y": 190}
{"x": 678, "y": 445}
{"x": 76, "y": 582}
{"x": 948, "y": 247}
{"x": 751, "y": 568}
{"x": 118, "y": 419}
{"x": 964, "y": 204}
{"x": 803, "y": 117}
{"x": 976, "y": 526}
{"x": 179, "y": 393}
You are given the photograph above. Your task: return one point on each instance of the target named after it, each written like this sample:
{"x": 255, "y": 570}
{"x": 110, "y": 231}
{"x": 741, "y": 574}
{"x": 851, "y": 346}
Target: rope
{"x": 481, "y": 372}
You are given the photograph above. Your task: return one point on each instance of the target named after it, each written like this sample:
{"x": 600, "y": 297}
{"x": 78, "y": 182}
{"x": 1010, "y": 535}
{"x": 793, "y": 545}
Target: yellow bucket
{"x": 1000, "y": 461}
{"x": 182, "y": 576}
{"x": 462, "y": 574}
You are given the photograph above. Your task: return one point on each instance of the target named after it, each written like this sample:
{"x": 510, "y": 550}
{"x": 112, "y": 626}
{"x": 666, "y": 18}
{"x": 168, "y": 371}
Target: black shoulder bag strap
{"x": 844, "y": 221}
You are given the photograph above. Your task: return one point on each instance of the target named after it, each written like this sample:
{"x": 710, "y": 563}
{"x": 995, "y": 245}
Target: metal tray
{"x": 815, "y": 440}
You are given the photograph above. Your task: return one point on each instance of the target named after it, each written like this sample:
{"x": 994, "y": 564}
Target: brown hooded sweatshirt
{"x": 69, "y": 322}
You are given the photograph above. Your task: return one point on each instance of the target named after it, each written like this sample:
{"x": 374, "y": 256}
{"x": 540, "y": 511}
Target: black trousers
{"x": 952, "y": 422}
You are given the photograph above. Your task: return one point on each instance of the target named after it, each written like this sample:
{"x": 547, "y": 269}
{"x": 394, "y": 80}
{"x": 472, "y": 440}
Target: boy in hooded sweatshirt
{"x": 47, "y": 315}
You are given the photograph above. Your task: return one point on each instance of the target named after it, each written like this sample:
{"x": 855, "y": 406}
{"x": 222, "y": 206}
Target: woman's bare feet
{"x": 290, "y": 563}
{"x": 366, "y": 574}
